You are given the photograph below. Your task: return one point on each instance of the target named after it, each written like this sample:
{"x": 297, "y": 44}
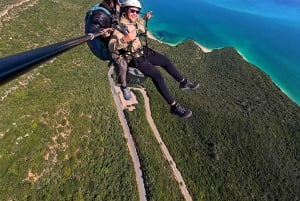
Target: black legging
{"x": 146, "y": 64}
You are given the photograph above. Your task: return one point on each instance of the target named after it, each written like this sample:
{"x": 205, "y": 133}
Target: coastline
{"x": 207, "y": 50}
{"x": 274, "y": 57}
{"x": 203, "y": 48}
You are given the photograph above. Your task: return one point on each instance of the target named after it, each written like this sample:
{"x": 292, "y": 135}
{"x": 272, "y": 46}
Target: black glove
{"x": 122, "y": 28}
{"x": 115, "y": 20}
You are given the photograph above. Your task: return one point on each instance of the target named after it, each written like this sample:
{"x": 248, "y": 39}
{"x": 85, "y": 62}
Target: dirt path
{"x": 4, "y": 14}
{"x": 132, "y": 148}
{"x": 164, "y": 148}
{"x": 130, "y": 142}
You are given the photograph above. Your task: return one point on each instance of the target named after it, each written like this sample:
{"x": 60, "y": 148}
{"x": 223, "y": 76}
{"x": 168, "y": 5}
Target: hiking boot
{"x": 181, "y": 111}
{"x": 187, "y": 84}
{"x": 126, "y": 93}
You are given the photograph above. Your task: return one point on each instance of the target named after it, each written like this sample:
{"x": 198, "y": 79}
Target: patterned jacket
{"x": 117, "y": 43}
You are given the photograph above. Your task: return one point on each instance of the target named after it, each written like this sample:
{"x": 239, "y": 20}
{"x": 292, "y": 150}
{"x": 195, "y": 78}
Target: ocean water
{"x": 266, "y": 33}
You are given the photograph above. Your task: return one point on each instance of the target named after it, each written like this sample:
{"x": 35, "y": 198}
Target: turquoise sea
{"x": 266, "y": 33}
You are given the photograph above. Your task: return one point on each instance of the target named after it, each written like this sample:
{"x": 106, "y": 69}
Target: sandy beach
{"x": 204, "y": 49}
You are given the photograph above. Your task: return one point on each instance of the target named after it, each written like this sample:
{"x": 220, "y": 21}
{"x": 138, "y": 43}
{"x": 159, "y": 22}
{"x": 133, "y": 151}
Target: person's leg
{"x": 158, "y": 59}
{"x": 121, "y": 70}
{"x": 151, "y": 71}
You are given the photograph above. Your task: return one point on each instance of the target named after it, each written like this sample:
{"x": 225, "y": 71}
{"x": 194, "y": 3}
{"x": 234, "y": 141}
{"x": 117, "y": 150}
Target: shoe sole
{"x": 187, "y": 116}
{"x": 197, "y": 86}
{"x": 184, "y": 117}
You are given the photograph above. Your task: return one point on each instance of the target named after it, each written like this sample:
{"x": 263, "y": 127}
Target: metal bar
{"x": 18, "y": 64}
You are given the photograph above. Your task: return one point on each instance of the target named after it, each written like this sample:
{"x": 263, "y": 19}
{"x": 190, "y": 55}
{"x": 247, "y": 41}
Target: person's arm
{"x": 147, "y": 16}
{"x": 141, "y": 21}
{"x": 120, "y": 41}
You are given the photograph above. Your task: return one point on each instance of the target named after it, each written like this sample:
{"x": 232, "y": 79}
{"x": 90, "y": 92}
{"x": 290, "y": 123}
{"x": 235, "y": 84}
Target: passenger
{"x": 144, "y": 58}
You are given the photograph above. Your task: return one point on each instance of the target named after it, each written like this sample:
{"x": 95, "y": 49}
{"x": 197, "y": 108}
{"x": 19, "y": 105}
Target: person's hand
{"x": 106, "y": 32}
{"x": 148, "y": 15}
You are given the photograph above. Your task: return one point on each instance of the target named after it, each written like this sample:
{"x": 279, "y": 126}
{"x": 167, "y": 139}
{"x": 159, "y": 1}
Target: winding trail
{"x": 9, "y": 7}
{"x": 164, "y": 148}
{"x": 132, "y": 148}
{"x": 130, "y": 142}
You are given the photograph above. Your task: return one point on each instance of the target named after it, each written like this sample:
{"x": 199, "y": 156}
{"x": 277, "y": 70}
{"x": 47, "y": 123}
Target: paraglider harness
{"x": 100, "y": 49}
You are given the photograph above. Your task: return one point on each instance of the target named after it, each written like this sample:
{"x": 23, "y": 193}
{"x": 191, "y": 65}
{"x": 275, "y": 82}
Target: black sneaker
{"x": 181, "y": 111}
{"x": 187, "y": 84}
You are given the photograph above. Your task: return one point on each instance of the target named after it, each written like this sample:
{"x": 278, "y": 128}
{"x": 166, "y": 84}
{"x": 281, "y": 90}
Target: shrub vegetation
{"x": 60, "y": 137}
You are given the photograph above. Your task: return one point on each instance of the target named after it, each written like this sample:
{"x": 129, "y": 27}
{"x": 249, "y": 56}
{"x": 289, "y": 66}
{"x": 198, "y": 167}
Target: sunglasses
{"x": 134, "y": 11}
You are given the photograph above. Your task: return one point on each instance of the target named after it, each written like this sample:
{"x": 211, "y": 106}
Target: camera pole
{"x": 18, "y": 64}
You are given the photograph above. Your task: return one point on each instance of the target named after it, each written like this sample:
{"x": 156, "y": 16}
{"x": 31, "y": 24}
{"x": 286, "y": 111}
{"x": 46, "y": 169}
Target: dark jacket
{"x": 94, "y": 23}
{"x": 100, "y": 19}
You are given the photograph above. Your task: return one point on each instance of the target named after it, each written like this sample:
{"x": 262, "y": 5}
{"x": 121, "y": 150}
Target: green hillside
{"x": 60, "y": 136}
{"x": 243, "y": 140}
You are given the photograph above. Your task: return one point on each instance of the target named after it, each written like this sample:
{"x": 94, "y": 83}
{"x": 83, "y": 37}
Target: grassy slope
{"x": 159, "y": 181}
{"x": 62, "y": 127}
{"x": 242, "y": 142}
